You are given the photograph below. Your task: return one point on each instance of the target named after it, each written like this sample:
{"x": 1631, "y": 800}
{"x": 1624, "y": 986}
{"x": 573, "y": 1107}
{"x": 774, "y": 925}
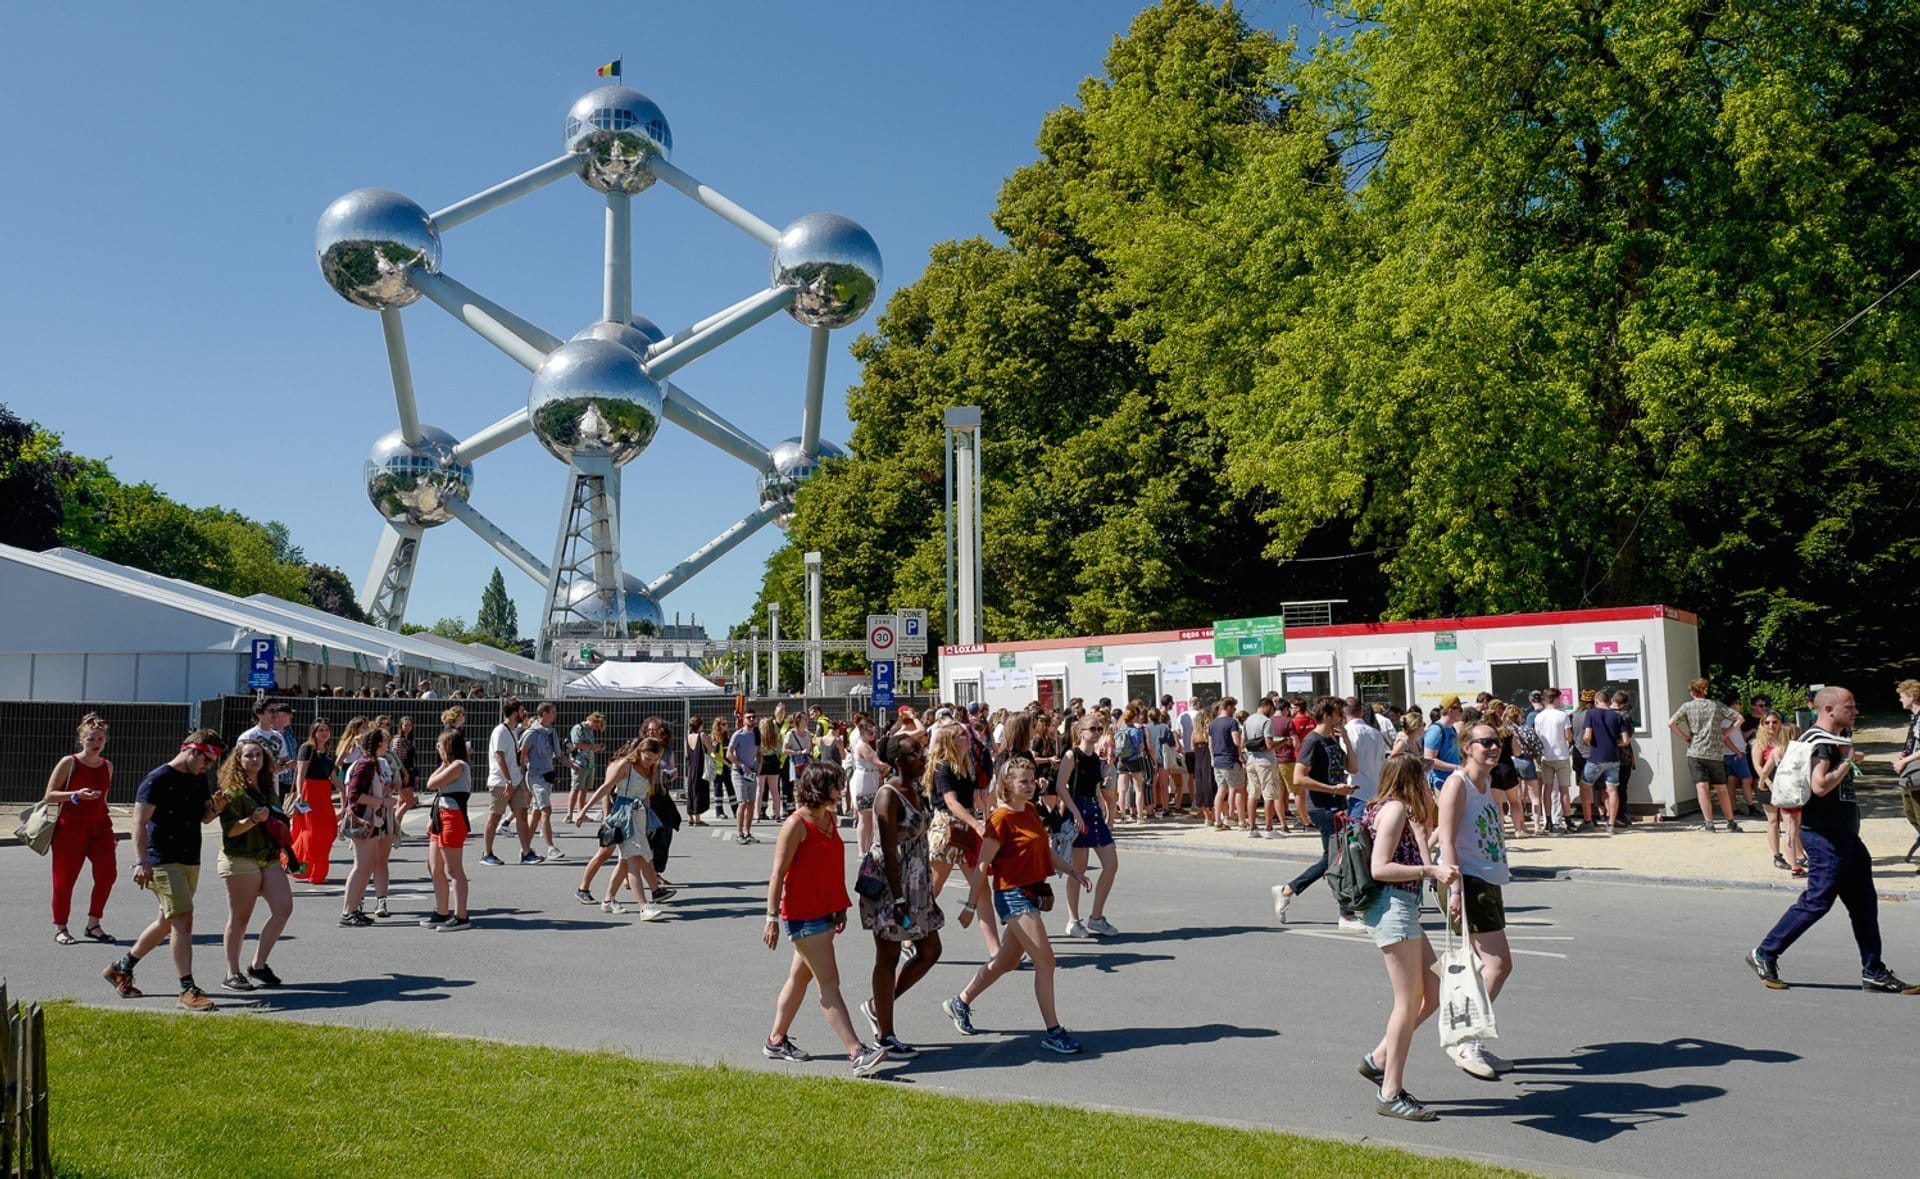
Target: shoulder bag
{"x": 37, "y": 824}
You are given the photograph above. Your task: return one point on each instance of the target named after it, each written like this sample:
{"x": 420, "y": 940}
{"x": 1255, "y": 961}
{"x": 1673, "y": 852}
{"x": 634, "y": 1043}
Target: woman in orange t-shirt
{"x": 1016, "y": 851}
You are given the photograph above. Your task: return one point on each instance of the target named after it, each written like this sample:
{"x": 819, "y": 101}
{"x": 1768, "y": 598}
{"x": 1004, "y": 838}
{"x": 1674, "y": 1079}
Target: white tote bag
{"x": 1466, "y": 1012}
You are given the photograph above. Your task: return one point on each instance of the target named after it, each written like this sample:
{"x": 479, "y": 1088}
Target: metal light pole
{"x": 963, "y": 524}
{"x": 773, "y": 656}
{"x": 815, "y": 666}
{"x": 753, "y": 662}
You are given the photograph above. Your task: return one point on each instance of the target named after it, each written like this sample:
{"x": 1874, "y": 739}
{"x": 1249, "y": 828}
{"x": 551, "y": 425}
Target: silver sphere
{"x": 413, "y": 484}
{"x": 618, "y": 130}
{"x": 834, "y": 266}
{"x": 369, "y": 241}
{"x": 780, "y": 483}
{"x": 591, "y": 399}
{"x": 643, "y": 611}
{"x": 636, "y": 335}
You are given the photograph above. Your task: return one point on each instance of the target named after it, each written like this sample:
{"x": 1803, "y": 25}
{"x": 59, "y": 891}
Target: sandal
{"x": 62, "y": 937}
{"x": 94, "y": 933}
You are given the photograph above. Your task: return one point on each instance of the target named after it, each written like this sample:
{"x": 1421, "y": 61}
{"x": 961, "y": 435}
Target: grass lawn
{"x": 148, "y": 1094}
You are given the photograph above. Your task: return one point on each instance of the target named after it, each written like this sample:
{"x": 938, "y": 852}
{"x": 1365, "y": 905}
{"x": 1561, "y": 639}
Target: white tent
{"x": 644, "y": 679}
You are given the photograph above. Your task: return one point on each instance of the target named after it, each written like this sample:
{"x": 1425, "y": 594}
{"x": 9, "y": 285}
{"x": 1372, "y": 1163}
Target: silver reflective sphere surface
{"x": 592, "y": 399}
{"x": 368, "y": 242}
{"x": 791, "y": 468}
{"x": 643, "y": 612}
{"x": 618, "y": 130}
{"x": 413, "y": 484}
{"x": 635, "y": 336}
{"x": 834, "y": 266}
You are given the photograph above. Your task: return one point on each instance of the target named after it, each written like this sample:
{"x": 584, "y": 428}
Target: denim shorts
{"x": 1393, "y": 917}
{"x": 1737, "y": 765}
{"x": 1011, "y": 902}
{"x": 811, "y": 926}
{"x": 1601, "y": 771}
{"x": 1528, "y": 771}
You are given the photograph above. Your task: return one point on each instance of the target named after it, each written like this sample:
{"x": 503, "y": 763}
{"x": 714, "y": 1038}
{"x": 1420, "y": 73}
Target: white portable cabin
{"x": 1652, "y": 652}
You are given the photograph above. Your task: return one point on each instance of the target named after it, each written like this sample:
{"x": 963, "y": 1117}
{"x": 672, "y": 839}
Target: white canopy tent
{"x": 644, "y": 679}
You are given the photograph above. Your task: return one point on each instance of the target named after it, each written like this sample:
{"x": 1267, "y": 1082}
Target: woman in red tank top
{"x": 84, "y": 834}
{"x": 808, "y": 891}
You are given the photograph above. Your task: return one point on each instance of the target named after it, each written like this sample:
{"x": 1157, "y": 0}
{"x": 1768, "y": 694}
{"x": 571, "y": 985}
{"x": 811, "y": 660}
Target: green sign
{"x": 1096, "y": 654}
{"x": 1446, "y": 640}
{"x": 1006, "y": 660}
{"x": 1249, "y": 636}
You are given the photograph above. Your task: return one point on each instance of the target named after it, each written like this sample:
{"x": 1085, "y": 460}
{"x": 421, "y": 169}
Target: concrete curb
{"x": 1603, "y": 875}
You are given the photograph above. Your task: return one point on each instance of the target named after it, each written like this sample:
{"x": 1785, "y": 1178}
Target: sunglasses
{"x": 1490, "y": 742}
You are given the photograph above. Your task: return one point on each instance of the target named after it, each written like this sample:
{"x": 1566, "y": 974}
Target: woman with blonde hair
{"x": 249, "y": 864}
{"x": 1769, "y": 745}
{"x": 447, "y": 830}
{"x": 767, "y": 799}
{"x": 717, "y": 761}
{"x": 954, "y": 838}
{"x": 368, "y": 815}
{"x": 629, "y": 785}
{"x": 1400, "y": 820}
{"x": 1131, "y": 763}
{"x": 83, "y": 833}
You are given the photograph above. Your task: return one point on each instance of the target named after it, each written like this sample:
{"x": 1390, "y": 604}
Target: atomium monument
{"x": 596, "y": 400}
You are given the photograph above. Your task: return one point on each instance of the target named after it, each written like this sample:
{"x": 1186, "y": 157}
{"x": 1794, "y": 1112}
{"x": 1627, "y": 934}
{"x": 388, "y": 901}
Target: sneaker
{"x": 873, "y": 1021}
{"x": 1733, "y": 826}
{"x": 1281, "y": 900}
{"x": 1253, "y": 833}
{"x": 492, "y": 860}
{"x": 355, "y": 919}
{"x": 665, "y": 892}
{"x": 612, "y": 907}
{"x": 911, "y": 952}
{"x": 867, "y": 1059}
{"x": 434, "y": 920}
{"x": 1074, "y": 929}
{"x": 960, "y": 1013}
{"x": 1404, "y": 1107}
{"x": 122, "y": 981}
{"x": 1767, "y": 968}
{"x": 506, "y": 825}
{"x": 1370, "y": 1070}
{"x": 453, "y": 925}
{"x": 380, "y": 907}
{"x": 235, "y": 982}
{"x": 1102, "y": 927}
{"x": 264, "y": 975}
{"x": 195, "y": 999}
{"x": 1500, "y": 1064}
{"x": 652, "y": 912}
{"x": 585, "y": 897}
{"x": 530, "y": 858}
{"x": 1887, "y": 983}
{"x": 741, "y": 838}
{"x": 896, "y": 1047}
{"x": 1780, "y": 862}
{"x": 1351, "y": 924}
{"x": 1471, "y": 1062}
{"x": 786, "y": 1049}
{"x": 1060, "y": 1040}
{"x": 1710, "y": 826}
{"x": 553, "y": 853}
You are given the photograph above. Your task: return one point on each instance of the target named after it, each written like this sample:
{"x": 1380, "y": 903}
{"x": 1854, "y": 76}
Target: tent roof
{"x": 644, "y": 679}
{"x": 64, "y": 600}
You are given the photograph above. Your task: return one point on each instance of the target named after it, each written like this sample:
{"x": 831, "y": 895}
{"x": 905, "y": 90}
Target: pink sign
{"x": 1609, "y": 648}
{"x": 1203, "y": 660}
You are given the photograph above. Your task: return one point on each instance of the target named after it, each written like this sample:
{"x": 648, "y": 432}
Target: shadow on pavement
{"x": 1558, "y": 1100}
{"x": 1020, "y": 1045}
{"x": 353, "y": 992}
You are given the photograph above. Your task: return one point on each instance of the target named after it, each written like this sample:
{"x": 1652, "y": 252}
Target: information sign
{"x": 1236, "y": 637}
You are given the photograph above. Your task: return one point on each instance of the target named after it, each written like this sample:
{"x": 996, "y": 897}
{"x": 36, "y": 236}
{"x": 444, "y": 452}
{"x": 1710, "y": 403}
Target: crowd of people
{"x": 1013, "y": 800}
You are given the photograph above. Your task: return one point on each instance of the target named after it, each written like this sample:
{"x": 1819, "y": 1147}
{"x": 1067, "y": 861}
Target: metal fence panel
{"x": 41, "y": 732}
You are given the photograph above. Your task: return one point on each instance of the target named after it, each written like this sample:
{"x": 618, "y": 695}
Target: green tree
{"x": 499, "y": 618}
{"x": 33, "y": 474}
{"x": 330, "y": 590}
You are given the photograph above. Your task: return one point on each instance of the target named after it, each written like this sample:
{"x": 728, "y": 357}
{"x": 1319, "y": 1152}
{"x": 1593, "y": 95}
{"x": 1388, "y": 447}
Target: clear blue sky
{"x": 160, "y": 304}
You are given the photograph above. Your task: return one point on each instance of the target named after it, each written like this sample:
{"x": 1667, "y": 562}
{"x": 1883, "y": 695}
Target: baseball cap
{"x": 974, "y": 706}
{"x": 943, "y": 714}
{"x": 1537, "y": 696}
{"x": 1450, "y": 701}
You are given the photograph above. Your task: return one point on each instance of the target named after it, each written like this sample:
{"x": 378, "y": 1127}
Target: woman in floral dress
{"x": 907, "y": 911}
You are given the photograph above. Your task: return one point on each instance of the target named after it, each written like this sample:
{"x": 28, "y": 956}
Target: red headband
{"x": 211, "y": 752}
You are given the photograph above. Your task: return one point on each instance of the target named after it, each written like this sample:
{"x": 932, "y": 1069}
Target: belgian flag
{"x": 610, "y": 70}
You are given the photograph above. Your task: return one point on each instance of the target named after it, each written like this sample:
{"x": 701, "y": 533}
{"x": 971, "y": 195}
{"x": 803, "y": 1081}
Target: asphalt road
{"x": 1643, "y": 1046}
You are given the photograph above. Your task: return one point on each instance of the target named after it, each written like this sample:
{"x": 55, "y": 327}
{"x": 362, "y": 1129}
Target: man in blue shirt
{"x": 1442, "y": 742}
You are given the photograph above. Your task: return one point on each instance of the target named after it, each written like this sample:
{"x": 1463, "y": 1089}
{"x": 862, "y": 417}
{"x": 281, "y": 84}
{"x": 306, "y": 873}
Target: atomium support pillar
{"x": 384, "y": 596}
{"x": 584, "y": 595}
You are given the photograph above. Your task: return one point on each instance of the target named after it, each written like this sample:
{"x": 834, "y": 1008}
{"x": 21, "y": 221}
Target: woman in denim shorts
{"x": 1020, "y": 856}
{"x": 807, "y": 897}
{"x": 1400, "y": 819}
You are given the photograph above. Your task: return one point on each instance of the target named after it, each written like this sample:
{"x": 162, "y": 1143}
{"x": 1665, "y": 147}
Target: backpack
{"x": 1127, "y": 746}
{"x": 1350, "y": 868}
{"x": 1792, "y": 781}
{"x": 1532, "y": 746}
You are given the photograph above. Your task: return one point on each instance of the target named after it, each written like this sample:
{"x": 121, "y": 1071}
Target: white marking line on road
{"x": 1330, "y": 935}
